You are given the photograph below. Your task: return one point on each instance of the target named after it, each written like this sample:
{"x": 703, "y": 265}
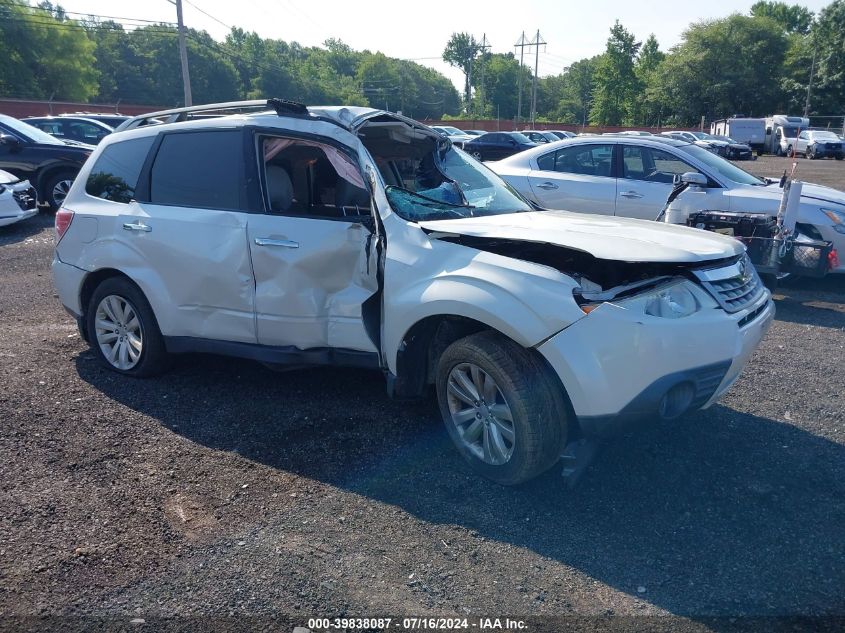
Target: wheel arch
{"x": 427, "y": 339}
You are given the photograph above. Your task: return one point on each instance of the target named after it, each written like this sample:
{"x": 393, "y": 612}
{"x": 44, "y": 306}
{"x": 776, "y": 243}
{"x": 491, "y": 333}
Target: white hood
{"x": 816, "y": 195}
{"x": 604, "y": 237}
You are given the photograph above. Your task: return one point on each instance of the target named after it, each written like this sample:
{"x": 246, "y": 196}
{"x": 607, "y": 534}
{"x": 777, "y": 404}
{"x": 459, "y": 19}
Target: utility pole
{"x": 484, "y": 46}
{"x": 183, "y": 54}
{"x": 521, "y": 44}
{"x": 810, "y": 84}
{"x": 537, "y": 43}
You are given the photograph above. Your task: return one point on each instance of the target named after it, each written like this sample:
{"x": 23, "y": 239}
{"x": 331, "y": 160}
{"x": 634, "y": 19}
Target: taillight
{"x": 63, "y": 220}
{"x": 833, "y": 260}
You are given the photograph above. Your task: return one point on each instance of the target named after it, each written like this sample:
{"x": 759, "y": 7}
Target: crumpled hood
{"x": 604, "y": 237}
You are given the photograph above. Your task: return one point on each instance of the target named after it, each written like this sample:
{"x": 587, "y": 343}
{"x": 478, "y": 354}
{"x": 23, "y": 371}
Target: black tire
{"x": 789, "y": 151}
{"x": 49, "y": 188}
{"x": 811, "y": 155}
{"x": 477, "y": 155}
{"x": 153, "y": 358}
{"x": 532, "y": 393}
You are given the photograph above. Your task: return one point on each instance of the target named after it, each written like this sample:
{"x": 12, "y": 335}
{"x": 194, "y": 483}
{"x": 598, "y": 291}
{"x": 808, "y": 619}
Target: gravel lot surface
{"x": 223, "y": 488}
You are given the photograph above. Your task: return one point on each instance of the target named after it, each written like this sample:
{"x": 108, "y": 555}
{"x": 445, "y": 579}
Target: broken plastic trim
{"x": 608, "y": 274}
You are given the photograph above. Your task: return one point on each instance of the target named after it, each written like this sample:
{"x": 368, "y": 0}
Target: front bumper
{"x": 617, "y": 366}
{"x": 17, "y": 202}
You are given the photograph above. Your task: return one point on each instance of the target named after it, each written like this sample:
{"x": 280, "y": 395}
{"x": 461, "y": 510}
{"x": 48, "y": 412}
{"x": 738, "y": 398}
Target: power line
{"x": 208, "y": 15}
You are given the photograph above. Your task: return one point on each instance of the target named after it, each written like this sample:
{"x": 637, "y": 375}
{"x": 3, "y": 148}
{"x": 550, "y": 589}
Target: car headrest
{"x": 279, "y": 187}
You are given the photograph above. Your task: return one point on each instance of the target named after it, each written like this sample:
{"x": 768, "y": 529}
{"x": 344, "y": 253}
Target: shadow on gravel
{"x": 24, "y": 229}
{"x": 812, "y": 301}
{"x": 722, "y": 513}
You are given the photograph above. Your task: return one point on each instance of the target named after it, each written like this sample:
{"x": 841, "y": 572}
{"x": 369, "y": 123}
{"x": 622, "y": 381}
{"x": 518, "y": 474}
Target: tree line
{"x": 49, "y": 55}
{"x": 755, "y": 64}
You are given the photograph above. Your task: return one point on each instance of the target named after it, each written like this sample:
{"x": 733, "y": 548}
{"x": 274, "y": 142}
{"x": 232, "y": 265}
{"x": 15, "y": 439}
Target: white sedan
{"x": 17, "y": 199}
{"x": 632, "y": 177}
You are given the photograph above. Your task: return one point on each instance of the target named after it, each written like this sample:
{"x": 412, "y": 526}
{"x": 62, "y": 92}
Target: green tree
{"x": 829, "y": 38}
{"x": 576, "y": 98}
{"x": 723, "y": 67}
{"x": 793, "y": 18}
{"x": 616, "y": 82}
{"x": 646, "y": 107}
{"x": 501, "y": 73}
{"x": 44, "y": 54}
{"x": 460, "y": 52}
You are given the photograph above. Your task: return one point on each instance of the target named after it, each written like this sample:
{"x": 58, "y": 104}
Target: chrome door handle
{"x": 547, "y": 185}
{"x": 137, "y": 226}
{"x": 266, "y": 241}
{"x": 631, "y": 194}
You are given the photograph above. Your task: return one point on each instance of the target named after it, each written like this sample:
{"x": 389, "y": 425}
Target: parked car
{"x": 563, "y": 134}
{"x": 68, "y": 128}
{"x": 629, "y": 133}
{"x": 353, "y": 236}
{"x": 112, "y": 120}
{"x": 458, "y": 137}
{"x": 496, "y": 145}
{"x": 18, "y": 200}
{"x": 819, "y": 144}
{"x": 475, "y": 132}
{"x": 540, "y": 136}
{"x": 46, "y": 162}
{"x": 698, "y": 138}
{"x": 734, "y": 150}
{"x": 632, "y": 177}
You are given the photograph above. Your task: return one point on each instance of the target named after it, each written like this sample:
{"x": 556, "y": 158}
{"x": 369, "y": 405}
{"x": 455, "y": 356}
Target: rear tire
{"x": 484, "y": 379}
{"x": 476, "y": 155}
{"x": 122, "y": 330}
{"x": 789, "y": 151}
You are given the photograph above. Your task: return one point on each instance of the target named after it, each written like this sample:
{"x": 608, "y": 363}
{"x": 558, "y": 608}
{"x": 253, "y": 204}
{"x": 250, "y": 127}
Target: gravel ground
{"x": 225, "y": 489}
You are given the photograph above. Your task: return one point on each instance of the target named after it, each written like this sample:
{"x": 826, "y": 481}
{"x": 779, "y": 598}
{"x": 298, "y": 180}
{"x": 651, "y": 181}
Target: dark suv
{"x": 49, "y": 164}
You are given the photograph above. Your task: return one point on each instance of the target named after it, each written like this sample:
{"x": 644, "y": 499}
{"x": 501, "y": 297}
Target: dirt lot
{"x": 225, "y": 489}
{"x": 822, "y": 172}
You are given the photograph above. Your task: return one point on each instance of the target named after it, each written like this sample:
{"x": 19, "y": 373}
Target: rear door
{"x": 313, "y": 248}
{"x": 576, "y": 178}
{"x": 187, "y": 230}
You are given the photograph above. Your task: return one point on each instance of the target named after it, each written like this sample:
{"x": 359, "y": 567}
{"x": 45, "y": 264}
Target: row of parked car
{"x": 40, "y": 157}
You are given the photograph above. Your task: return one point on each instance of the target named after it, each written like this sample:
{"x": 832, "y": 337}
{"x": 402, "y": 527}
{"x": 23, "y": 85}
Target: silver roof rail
{"x": 183, "y": 114}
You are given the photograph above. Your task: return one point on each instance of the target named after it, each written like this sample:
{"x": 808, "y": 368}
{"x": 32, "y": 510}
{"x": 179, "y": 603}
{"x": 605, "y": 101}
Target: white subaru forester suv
{"x": 358, "y": 237}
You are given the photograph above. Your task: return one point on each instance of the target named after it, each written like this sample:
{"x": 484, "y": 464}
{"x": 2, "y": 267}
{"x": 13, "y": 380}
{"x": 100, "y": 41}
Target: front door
{"x": 313, "y": 249}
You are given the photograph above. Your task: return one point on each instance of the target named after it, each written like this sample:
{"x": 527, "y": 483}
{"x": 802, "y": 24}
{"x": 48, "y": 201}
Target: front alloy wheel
{"x": 481, "y": 415}
{"x": 119, "y": 332}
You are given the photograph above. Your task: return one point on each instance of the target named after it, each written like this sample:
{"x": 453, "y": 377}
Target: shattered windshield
{"x": 449, "y": 185}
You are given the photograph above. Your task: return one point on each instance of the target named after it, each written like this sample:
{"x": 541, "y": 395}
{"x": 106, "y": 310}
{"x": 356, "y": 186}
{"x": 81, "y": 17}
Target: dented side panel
{"x": 309, "y": 292}
{"x": 193, "y": 266}
{"x": 427, "y": 277}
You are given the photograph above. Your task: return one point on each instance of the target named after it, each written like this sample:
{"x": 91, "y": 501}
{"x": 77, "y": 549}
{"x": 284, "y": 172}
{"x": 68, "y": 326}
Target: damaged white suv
{"x": 352, "y": 236}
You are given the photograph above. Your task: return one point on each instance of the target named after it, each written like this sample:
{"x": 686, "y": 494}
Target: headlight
{"x": 673, "y": 302}
{"x": 837, "y": 217}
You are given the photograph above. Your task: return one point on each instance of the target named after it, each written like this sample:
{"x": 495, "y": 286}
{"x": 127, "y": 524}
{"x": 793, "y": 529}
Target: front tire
{"x": 123, "y": 331}
{"x": 476, "y": 155}
{"x": 790, "y": 152}
{"x": 502, "y": 407}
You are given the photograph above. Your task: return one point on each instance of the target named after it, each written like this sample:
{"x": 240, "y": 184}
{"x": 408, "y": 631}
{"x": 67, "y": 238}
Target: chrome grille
{"x": 735, "y": 287}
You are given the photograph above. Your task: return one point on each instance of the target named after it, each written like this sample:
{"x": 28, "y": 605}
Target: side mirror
{"x": 8, "y": 139}
{"x": 693, "y": 178}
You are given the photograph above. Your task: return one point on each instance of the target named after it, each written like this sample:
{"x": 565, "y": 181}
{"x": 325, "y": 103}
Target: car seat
{"x": 279, "y": 188}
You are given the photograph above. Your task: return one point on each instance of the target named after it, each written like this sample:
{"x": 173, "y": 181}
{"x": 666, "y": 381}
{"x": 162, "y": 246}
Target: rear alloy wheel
{"x": 503, "y": 409}
{"x": 123, "y": 331}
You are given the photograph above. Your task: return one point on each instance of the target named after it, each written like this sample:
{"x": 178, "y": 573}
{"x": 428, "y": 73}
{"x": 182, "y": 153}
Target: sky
{"x": 419, "y": 31}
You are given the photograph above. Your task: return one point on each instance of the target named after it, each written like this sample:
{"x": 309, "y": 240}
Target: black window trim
{"x": 614, "y": 157}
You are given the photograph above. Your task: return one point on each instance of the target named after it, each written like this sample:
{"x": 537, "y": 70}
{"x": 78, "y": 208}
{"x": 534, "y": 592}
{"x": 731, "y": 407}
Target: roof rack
{"x": 280, "y": 106}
